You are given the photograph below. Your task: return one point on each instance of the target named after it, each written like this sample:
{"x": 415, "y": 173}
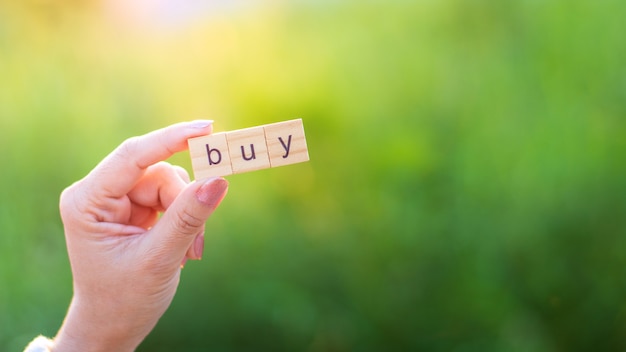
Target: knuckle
{"x": 67, "y": 201}
{"x": 64, "y": 199}
{"x": 161, "y": 166}
{"x": 182, "y": 173}
{"x": 187, "y": 223}
{"x": 128, "y": 148}
{"x": 164, "y": 165}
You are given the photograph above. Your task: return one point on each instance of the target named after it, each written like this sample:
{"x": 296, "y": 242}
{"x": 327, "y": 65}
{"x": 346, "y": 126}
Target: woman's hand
{"x": 126, "y": 261}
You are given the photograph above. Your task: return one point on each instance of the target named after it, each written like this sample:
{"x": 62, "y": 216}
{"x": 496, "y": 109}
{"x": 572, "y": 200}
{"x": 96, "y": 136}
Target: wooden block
{"x": 248, "y": 150}
{"x": 286, "y": 143}
{"x": 210, "y": 156}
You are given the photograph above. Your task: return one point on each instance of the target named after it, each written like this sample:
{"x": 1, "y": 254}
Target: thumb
{"x": 185, "y": 218}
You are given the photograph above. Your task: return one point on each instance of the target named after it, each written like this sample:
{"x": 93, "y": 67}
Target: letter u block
{"x": 210, "y": 156}
{"x": 248, "y": 151}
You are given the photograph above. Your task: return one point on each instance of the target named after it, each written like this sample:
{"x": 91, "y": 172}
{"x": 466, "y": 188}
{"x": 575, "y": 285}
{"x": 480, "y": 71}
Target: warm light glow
{"x": 168, "y": 14}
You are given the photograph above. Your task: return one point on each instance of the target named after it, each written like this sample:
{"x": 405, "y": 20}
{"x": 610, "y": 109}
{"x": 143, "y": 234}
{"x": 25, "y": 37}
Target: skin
{"x": 126, "y": 261}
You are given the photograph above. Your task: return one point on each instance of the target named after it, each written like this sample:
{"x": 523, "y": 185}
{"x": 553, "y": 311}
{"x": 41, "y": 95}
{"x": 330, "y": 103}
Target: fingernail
{"x": 212, "y": 192}
{"x": 198, "y": 245}
{"x": 200, "y": 124}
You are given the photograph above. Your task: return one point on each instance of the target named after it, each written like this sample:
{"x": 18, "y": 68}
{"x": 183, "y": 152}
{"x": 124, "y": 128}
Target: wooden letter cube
{"x": 286, "y": 143}
{"x": 248, "y": 151}
{"x": 210, "y": 156}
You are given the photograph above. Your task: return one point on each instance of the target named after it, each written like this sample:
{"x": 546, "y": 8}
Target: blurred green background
{"x": 466, "y": 189}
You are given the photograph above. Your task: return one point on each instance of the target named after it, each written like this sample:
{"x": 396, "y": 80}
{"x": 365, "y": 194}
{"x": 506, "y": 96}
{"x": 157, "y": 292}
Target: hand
{"x": 126, "y": 262}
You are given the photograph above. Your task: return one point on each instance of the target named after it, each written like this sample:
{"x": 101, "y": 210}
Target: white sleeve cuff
{"x": 39, "y": 344}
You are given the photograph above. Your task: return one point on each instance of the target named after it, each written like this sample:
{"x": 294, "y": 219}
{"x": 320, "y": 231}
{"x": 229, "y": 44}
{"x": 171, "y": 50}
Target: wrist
{"x": 87, "y": 331}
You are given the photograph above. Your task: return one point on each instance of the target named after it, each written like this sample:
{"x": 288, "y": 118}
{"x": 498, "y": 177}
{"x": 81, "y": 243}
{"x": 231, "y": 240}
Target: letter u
{"x": 252, "y": 154}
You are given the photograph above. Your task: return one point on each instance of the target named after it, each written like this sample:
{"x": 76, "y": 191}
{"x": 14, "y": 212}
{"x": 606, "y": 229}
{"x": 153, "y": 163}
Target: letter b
{"x": 213, "y": 151}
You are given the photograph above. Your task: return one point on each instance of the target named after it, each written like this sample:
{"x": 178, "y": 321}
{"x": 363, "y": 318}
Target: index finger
{"x": 116, "y": 175}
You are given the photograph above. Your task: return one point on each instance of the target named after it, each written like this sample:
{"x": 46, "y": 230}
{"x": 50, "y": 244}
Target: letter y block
{"x": 286, "y": 143}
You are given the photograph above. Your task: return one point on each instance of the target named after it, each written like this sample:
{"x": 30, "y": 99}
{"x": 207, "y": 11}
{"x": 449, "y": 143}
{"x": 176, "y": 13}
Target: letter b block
{"x": 210, "y": 156}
